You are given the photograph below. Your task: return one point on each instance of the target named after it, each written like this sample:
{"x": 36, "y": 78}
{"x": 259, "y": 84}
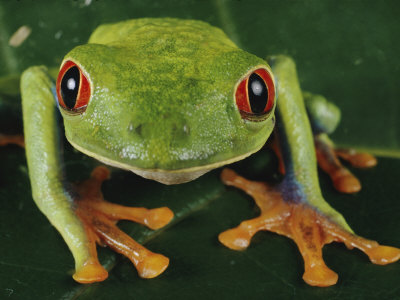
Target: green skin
{"x": 162, "y": 105}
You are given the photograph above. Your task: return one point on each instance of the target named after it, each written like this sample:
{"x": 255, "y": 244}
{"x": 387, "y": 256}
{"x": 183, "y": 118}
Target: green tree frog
{"x": 169, "y": 100}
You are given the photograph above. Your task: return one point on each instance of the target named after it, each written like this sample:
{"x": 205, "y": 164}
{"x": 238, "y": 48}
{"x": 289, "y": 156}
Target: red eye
{"x": 73, "y": 88}
{"x": 255, "y": 95}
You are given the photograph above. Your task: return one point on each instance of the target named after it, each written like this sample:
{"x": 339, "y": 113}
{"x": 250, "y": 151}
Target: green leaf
{"x": 345, "y": 50}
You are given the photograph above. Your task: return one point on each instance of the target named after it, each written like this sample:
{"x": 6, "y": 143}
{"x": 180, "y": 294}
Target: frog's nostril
{"x": 186, "y": 129}
{"x": 175, "y": 129}
{"x": 135, "y": 128}
{"x": 179, "y": 129}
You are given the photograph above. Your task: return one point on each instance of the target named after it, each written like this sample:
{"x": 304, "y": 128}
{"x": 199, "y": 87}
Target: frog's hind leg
{"x": 328, "y": 160}
{"x": 309, "y": 229}
{"x": 99, "y": 218}
{"x": 324, "y": 117}
{"x": 17, "y": 139}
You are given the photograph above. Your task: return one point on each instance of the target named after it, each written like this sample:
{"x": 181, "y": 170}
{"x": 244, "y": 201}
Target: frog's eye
{"x": 255, "y": 94}
{"x": 73, "y": 88}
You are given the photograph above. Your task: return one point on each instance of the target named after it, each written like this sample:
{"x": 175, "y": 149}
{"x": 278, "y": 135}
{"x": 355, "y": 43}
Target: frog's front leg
{"x": 324, "y": 117}
{"x": 85, "y": 218}
{"x": 309, "y": 228}
{"x": 295, "y": 207}
{"x": 99, "y": 217}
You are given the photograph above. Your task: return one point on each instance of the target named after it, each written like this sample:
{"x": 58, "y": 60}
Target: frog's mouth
{"x": 165, "y": 176}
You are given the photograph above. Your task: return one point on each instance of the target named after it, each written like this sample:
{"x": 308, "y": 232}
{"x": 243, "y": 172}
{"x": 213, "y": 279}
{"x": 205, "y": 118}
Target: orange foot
{"x": 12, "y": 139}
{"x": 309, "y": 229}
{"x": 99, "y": 218}
{"x": 343, "y": 180}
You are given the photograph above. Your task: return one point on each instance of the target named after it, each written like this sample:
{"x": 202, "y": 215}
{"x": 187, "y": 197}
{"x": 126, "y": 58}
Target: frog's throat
{"x": 166, "y": 176}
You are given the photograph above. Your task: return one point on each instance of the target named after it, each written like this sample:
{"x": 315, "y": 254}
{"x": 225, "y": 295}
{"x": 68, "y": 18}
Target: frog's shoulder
{"x": 153, "y": 28}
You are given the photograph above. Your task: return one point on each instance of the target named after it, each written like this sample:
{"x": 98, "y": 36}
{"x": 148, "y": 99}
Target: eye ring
{"x": 73, "y": 88}
{"x": 255, "y": 95}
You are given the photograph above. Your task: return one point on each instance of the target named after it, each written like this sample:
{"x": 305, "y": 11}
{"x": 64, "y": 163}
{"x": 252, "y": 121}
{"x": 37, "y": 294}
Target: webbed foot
{"x": 308, "y": 228}
{"x": 99, "y": 217}
{"x": 328, "y": 160}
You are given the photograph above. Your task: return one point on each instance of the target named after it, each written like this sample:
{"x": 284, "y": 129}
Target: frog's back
{"x": 149, "y": 31}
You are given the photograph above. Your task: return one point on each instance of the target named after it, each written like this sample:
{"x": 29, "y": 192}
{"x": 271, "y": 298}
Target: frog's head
{"x": 166, "y": 116}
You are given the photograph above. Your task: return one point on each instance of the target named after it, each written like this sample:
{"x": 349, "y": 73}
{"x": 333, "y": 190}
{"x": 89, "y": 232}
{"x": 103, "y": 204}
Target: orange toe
{"x": 158, "y": 217}
{"x": 235, "y": 239}
{"x": 91, "y": 272}
{"x": 320, "y": 275}
{"x": 152, "y": 265}
{"x": 358, "y": 160}
{"x": 382, "y": 255}
{"x": 346, "y": 183}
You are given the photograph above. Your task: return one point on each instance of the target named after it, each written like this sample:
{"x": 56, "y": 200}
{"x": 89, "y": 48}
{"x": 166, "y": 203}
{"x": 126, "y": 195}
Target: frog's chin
{"x": 161, "y": 175}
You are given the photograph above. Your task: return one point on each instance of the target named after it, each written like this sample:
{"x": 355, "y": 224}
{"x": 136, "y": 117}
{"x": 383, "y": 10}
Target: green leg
{"x": 87, "y": 219}
{"x": 43, "y": 156}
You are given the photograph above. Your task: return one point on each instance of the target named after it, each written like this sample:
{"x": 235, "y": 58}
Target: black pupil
{"x": 258, "y": 93}
{"x": 70, "y": 86}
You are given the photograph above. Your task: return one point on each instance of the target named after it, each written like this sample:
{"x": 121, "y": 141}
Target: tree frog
{"x": 169, "y": 100}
